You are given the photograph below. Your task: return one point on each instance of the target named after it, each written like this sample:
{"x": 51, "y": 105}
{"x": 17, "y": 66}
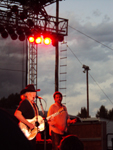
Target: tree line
{"x": 12, "y": 102}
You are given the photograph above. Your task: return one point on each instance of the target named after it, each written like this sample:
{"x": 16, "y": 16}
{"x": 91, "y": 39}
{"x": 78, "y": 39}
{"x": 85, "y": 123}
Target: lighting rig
{"x": 26, "y": 19}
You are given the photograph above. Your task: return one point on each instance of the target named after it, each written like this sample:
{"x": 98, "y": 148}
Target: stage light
{"x": 38, "y": 40}
{"x": 60, "y": 38}
{"x": 57, "y": 38}
{"x": 27, "y": 31}
{"x": 23, "y": 15}
{"x": 14, "y": 9}
{"x": 54, "y": 41}
{"x": 47, "y": 40}
{"x": 31, "y": 39}
{"x": 4, "y": 34}
{"x": 1, "y": 28}
{"x": 21, "y": 37}
{"x": 30, "y": 23}
{"x": 19, "y": 30}
{"x": 10, "y": 30}
{"x": 14, "y": 36}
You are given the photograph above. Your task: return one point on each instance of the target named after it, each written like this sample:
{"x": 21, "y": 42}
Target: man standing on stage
{"x": 58, "y": 124}
{"x": 27, "y": 109}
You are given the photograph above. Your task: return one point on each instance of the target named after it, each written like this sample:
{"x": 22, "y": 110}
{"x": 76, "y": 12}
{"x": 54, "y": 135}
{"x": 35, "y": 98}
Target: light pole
{"x": 86, "y": 69}
{"x": 57, "y": 50}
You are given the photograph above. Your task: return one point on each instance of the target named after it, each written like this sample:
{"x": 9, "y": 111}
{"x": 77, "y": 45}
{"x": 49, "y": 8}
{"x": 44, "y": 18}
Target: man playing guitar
{"x": 27, "y": 109}
{"x": 58, "y": 124}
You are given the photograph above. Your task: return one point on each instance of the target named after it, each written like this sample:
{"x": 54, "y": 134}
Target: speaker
{"x": 92, "y": 134}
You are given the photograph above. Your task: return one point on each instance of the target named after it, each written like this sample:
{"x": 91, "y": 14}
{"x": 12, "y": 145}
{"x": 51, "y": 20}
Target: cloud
{"x": 96, "y": 13}
{"x": 82, "y": 49}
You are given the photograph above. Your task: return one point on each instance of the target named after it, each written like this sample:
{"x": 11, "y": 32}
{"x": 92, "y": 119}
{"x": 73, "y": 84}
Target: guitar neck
{"x": 53, "y": 115}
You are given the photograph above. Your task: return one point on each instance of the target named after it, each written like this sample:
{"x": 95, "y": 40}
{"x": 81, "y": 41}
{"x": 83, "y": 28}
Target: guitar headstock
{"x": 62, "y": 109}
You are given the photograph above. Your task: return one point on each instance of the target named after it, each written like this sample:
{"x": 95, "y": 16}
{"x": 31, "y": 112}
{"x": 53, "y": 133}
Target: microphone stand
{"x": 44, "y": 123}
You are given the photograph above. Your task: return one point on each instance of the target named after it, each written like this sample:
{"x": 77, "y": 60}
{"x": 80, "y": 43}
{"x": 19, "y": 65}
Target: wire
{"x": 91, "y": 76}
{"x": 91, "y": 38}
{"x": 101, "y": 88}
{"x": 11, "y": 70}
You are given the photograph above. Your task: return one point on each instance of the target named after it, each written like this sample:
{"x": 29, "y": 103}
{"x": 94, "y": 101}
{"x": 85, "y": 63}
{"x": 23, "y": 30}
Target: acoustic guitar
{"x": 30, "y": 134}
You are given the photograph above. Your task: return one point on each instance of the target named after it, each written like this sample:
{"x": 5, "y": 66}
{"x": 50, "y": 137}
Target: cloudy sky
{"x": 89, "y": 42}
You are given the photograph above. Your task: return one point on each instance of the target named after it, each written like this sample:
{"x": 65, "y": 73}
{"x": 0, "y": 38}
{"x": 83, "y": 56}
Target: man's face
{"x": 31, "y": 96}
{"x": 58, "y": 98}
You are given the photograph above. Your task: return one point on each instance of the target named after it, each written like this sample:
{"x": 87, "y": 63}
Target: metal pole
{"x": 26, "y": 61}
{"x": 56, "y": 50}
{"x": 87, "y": 93}
{"x": 86, "y": 69}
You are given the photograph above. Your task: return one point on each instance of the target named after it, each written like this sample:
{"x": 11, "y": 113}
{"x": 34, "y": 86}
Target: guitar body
{"x": 30, "y": 134}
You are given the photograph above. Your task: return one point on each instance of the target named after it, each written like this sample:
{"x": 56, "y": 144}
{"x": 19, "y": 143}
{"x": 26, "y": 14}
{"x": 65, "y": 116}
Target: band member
{"x": 58, "y": 124}
{"x": 27, "y": 109}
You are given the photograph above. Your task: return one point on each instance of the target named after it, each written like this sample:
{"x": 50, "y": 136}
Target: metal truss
{"x": 32, "y": 64}
{"x": 35, "y": 11}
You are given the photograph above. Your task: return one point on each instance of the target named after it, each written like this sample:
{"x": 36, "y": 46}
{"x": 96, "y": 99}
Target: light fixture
{"x": 19, "y": 30}
{"x": 4, "y": 34}
{"x": 31, "y": 39}
{"x": 47, "y": 40}
{"x": 21, "y": 37}
{"x": 10, "y": 30}
{"x": 27, "y": 31}
{"x": 1, "y": 28}
{"x": 14, "y": 36}
{"x": 30, "y": 23}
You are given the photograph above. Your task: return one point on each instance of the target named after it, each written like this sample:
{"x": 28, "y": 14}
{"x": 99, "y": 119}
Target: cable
{"x": 91, "y": 76}
{"x": 11, "y": 70}
{"x": 91, "y": 38}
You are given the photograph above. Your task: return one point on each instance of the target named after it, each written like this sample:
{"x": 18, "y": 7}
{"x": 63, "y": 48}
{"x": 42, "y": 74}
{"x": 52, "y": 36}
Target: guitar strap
{"x": 35, "y": 109}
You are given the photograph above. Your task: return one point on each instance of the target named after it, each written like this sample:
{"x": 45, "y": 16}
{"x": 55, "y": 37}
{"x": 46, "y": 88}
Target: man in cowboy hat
{"x": 27, "y": 109}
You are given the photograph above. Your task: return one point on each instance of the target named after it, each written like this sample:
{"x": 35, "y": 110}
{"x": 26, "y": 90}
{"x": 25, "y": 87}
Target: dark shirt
{"x": 26, "y": 108}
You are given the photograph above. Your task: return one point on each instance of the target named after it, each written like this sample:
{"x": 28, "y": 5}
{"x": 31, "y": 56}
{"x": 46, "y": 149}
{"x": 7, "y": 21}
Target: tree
{"x": 83, "y": 113}
{"x": 110, "y": 114}
{"x": 102, "y": 113}
{"x": 11, "y": 102}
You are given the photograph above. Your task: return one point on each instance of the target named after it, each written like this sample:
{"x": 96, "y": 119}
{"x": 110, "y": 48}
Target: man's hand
{"x": 31, "y": 126}
{"x": 73, "y": 121}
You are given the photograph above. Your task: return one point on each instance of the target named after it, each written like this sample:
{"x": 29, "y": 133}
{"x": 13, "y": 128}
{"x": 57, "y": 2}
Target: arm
{"x": 19, "y": 116}
{"x": 69, "y": 121}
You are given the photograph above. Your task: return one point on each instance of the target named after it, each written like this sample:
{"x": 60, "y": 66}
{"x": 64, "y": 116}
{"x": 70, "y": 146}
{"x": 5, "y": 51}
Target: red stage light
{"x": 38, "y": 40}
{"x": 31, "y": 39}
{"x": 47, "y": 41}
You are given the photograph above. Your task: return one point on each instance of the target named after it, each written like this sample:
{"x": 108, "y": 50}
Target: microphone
{"x": 39, "y": 97}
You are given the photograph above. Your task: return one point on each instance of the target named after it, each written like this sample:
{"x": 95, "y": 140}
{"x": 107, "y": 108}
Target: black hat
{"x": 29, "y": 88}
{"x": 57, "y": 92}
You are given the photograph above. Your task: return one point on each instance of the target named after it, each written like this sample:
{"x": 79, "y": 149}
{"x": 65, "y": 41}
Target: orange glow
{"x": 47, "y": 41}
{"x": 31, "y": 39}
{"x": 38, "y": 40}
{"x": 22, "y": 97}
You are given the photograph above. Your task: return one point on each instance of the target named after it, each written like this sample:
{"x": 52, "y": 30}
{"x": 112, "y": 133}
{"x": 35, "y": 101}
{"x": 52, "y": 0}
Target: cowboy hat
{"x": 29, "y": 88}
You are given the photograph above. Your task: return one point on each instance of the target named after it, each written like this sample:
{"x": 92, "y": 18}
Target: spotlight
{"x": 60, "y": 38}
{"x": 38, "y": 40}
{"x": 19, "y": 30}
{"x": 13, "y": 36}
{"x": 30, "y": 23}
{"x": 31, "y": 39}
{"x": 21, "y": 37}
{"x": 1, "y": 28}
{"x": 27, "y": 31}
{"x": 4, "y": 34}
{"x": 14, "y": 9}
{"x": 23, "y": 15}
{"x": 10, "y": 30}
{"x": 47, "y": 41}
